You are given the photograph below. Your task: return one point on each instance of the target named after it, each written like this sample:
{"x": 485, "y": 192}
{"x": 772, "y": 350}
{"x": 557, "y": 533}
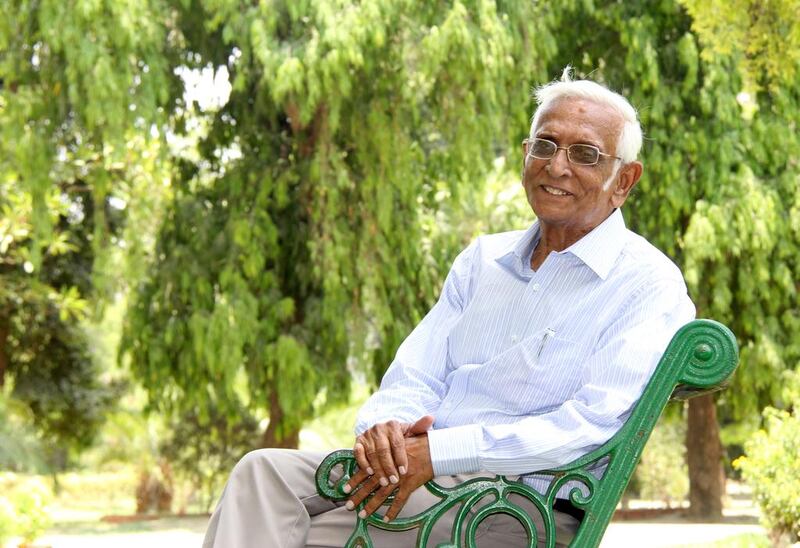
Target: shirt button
{"x": 536, "y": 287}
{"x": 514, "y": 338}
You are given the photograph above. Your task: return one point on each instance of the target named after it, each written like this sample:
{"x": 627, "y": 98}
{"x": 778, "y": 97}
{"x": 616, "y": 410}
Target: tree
{"x": 757, "y": 220}
{"x": 304, "y": 238}
{"x": 310, "y": 230}
{"x": 719, "y": 194}
{"x": 77, "y": 81}
{"x": 80, "y": 86}
{"x": 43, "y": 350}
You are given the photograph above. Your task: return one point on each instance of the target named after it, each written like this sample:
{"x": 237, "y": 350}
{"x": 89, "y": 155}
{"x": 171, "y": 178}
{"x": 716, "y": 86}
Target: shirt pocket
{"x": 550, "y": 367}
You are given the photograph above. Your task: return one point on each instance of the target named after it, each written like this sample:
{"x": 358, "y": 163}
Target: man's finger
{"x": 376, "y": 501}
{"x": 399, "y": 451}
{"x": 400, "y": 499}
{"x": 360, "y": 453}
{"x": 364, "y": 490}
{"x": 421, "y": 426}
{"x": 355, "y": 480}
{"x": 376, "y": 462}
{"x": 384, "y": 454}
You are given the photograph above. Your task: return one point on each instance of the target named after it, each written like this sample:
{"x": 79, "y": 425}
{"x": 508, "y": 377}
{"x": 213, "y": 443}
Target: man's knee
{"x": 258, "y": 461}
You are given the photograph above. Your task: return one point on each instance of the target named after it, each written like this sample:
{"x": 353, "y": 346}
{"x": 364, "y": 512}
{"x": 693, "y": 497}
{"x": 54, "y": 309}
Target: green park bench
{"x": 700, "y": 358}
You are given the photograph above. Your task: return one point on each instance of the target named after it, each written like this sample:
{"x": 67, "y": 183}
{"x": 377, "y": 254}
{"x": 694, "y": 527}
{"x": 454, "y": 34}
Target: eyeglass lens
{"x": 577, "y": 153}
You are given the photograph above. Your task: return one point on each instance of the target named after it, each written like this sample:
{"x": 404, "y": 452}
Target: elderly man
{"x": 535, "y": 353}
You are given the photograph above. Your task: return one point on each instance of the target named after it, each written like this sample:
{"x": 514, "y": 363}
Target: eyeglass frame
{"x": 566, "y": 149}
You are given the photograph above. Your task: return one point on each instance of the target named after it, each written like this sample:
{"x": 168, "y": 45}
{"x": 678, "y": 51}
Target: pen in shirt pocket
{"x": 548, "y": 333}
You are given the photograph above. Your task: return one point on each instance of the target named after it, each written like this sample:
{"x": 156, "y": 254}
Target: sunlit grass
{"x": 747, "y": 540}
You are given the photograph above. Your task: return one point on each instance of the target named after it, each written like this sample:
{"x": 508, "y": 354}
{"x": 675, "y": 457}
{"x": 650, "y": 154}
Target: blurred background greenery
{"x": 220, "y": 218}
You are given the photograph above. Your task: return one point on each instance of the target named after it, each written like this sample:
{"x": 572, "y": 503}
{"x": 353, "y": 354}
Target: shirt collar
{"x": 598, "y": 249}
{"x": 517, "y": 256}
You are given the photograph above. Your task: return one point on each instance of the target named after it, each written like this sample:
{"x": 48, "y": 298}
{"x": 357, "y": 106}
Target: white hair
{"x": 629, "y": 141}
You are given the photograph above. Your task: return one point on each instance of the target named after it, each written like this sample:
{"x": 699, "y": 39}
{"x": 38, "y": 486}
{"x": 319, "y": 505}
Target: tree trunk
{"x": 704, "y": 455}
{"x": 289, "y": 440}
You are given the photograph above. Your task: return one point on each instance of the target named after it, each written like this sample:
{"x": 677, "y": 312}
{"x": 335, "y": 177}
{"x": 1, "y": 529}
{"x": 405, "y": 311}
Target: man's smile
{"x": 555, "y": 191}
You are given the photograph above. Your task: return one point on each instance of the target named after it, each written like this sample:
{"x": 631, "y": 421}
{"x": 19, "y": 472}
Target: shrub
{"x": 203, "y": 450}
{"x": 23, "y": 507}
{"x": 20, "y": 450}
{"x": 7, "y": 524}
{"x": 662, "y": 473}
{"x": 771, "y": 465}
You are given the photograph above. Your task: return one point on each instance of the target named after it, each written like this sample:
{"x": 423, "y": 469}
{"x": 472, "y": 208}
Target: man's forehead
{"x": 591, "y": 116}
{"x": 581, "y": 110}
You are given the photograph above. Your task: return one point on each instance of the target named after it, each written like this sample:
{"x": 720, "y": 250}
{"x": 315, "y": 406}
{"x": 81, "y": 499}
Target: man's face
{"x": 571, "y": 196}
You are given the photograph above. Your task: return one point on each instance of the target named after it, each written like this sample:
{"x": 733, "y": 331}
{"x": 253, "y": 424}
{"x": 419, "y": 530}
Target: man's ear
{"x": 629, "y": 175}
{"x": 524, "y": 157}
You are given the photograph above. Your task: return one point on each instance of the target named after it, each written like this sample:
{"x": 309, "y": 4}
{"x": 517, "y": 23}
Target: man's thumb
{"x": 421, "y": 426}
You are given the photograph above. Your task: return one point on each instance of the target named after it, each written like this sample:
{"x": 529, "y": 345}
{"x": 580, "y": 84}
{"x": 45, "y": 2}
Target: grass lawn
{"x": 747, "y": 540}
{"x": 172, "y": 532}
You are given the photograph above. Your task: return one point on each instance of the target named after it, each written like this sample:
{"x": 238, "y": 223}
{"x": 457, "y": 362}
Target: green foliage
{"x": 7, "y": 514}
{"x": 202, "y": 452}
{"x": 334, "y": 428}
{"x": 67, "y": 413}
{"x": 44, "y": 353}
{"x": 75, "y": 79}
{"x": 20, "y": 449}
{"x": 305, "y": 234}
{"x": 23, "y": 507}
{"x": 81, "y": 87}
{"x": 93, "y": 494}
{"x": 763, "y": 36}
{"x": 662, "y": 473}
{"x": 772, "y": 467}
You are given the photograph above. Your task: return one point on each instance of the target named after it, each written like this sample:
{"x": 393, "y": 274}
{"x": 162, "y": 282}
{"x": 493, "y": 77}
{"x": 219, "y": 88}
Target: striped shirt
{"x": 527, "y": 371}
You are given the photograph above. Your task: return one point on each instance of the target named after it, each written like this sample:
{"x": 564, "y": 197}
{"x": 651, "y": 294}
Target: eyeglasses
{"x": 579, "y": 154}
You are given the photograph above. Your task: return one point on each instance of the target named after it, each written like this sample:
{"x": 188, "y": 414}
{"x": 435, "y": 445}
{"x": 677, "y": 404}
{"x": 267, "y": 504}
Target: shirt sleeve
{"x": 613, "y": 379}
{"x": 414, "y": 384}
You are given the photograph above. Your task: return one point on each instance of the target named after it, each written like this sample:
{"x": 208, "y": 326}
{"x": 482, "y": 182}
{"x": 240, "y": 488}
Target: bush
{"x": 23, "y": 507}
{"x": 202, "y": 450}
{"x": 20, "y": 450}
{"x": 771, "y": 465}
{"x": 662, "y": 473}
{"x": 7, "y": 522}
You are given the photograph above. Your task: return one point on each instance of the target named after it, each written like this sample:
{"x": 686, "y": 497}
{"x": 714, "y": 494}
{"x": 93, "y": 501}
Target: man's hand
{"x": 420, "y": 470}
{"x": 381, "y": 453}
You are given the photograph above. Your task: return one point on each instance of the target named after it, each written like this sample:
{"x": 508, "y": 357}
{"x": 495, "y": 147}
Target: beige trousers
{"x": 271, "y": 501}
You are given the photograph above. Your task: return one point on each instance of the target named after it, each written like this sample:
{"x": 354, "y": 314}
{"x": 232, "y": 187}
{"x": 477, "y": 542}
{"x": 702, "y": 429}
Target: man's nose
{"x": 559, "y": 164}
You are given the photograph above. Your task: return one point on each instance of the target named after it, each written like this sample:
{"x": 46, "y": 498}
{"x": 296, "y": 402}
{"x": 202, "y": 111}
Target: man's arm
{"x": 414, "y": 384}
{"x": 613, "y": 380}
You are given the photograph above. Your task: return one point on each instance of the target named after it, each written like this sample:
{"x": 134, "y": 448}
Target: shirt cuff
{"x": 455, "y": 450}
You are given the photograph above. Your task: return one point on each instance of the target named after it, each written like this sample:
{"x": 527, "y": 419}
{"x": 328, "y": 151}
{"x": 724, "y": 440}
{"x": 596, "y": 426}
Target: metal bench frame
{"x": 701, "y": 358}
